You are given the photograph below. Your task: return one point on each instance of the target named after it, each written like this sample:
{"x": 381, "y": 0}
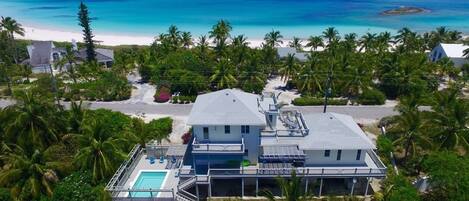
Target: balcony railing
{"x": 377, "y": 170}
{"x": 209, "y": 147}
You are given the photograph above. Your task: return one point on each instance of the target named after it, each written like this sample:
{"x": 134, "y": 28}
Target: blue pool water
{"x": 147, "y": 180}
{"x": 251, "y": 17}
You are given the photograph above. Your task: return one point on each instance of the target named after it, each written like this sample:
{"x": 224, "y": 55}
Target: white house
{"x": 238, "y": 136}
{"x": 455, "y": 52}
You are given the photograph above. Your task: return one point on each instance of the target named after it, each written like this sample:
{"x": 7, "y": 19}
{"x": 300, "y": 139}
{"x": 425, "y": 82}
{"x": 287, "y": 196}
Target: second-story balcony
{"x": 205, "y": 146}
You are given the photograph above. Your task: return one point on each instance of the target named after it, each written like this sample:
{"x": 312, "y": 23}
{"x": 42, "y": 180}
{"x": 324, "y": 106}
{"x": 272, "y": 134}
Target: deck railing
{"x": 198, "y": 147}
{"x": 378, "y": 171}
{"x": 124, "y": 169}
{"x": 122, "y": 193}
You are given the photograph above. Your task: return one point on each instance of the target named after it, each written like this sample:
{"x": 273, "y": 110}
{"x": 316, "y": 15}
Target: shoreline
{"x": 41, "y": 34}
{"x": 44, "y": 34}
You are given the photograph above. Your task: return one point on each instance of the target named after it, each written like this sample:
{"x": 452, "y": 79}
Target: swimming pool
{"x": 148, "y": 180}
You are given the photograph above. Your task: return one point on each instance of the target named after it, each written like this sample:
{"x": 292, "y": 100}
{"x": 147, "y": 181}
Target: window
{"x": 327, "y": 153}
{"x": 205, "y": 133}
{"x": 227, "y": 129}
{"x": 245, "y": 129}
{"x": 339, "y": 154}
{"x": 271, "y": 118}
{"x": 359, "y": 154}
{"x": 439, "y": 55}
{"x": 55, "y": 56}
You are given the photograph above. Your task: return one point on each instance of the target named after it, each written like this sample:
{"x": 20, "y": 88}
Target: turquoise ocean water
{"x": 251, "y": 17}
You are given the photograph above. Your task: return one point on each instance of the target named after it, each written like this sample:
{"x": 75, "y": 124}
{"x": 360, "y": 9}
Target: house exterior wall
{"x": 459, "y": 62}
{"x": 217, "y": 135}
{"x": 348, "y": 157}
{"x": 438, "y": 53}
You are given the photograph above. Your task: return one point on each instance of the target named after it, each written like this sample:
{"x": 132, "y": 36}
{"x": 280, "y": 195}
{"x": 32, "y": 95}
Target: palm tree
{"x": 29, "y": 175}
{"x": 359, "y": 79}
{"x": 291, "y": 189}
{"x": 99, "y": 150}
{"x": 409, "y": 129}
{"x": 449, "y": 119}
{"x": 12, "y": 27}
{"x": 314, "y": 42}
{"x": 252, "y": 77}
{"x": 289, "y": 69}
{"x": 350, "y": 42}
{"x": 174, "y": 36}
{"x": 220, "y": 33}
{"x": 223, "y": 75}
{"x": 367, "y": 42}
{"x": 202, "y": 46}
{"x": 308, "y": 79}
{"x": 69, "y": 60}
{"x": 186, "y": 39}
{"x": 454, "y": 35}
{"x": 273, "y": 38}
{"x": 296, "y": 43}
{"x": 330, "y": 34}
{"x": 240, "y": 48}
{"x": 383, "y": 40}
{"x": 31, "y": 122}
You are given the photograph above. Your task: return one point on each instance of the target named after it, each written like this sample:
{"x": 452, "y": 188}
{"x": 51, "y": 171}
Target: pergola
{"x": 284, "y": 153}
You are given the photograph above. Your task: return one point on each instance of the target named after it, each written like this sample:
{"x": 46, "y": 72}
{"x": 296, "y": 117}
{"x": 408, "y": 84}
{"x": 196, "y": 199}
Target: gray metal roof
{"x": 284, "y": 51}
{"x": 327, "y": 131}
{"x": 40, "y": 52}
{"x": 226, "y": 107}
{"x": 101, "y": 54}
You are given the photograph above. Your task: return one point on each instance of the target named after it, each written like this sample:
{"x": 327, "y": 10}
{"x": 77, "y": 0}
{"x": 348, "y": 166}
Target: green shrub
{"x": 305, "y": 101}
{"x": 372, "y": 97}
{"x": 183, "y": 99}
{"x": 5, "y": 194}
{"x": 159, "y": 129}
{"x": 108, "y": 86}
{"x": 75, "y": 187}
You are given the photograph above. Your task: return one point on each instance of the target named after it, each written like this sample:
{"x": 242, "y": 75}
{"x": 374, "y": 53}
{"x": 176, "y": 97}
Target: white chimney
{"x": 74, "y": 45}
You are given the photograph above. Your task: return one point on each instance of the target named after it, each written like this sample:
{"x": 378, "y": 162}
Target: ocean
{"x": 253, "y": 18}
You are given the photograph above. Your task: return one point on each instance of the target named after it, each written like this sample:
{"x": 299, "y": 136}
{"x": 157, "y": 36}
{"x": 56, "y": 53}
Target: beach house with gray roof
{"x": 249, "y": 138}
{"x": 242, "y": 141}
{"x": 43, "y": 56}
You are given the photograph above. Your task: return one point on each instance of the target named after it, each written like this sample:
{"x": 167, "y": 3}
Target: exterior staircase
{"x": 183, "y": 194}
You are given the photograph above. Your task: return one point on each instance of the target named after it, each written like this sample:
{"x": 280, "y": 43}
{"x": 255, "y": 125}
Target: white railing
{"x": 379, "y": 171}
{"x": 125, "y": 168}
{"x": 198, "y": 147}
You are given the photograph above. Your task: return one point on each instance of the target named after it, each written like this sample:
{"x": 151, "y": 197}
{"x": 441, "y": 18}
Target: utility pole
{"x": 328, "y": 90}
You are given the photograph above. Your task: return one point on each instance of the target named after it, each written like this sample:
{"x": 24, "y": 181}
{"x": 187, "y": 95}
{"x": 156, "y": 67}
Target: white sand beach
{"x": 32, "y": 33}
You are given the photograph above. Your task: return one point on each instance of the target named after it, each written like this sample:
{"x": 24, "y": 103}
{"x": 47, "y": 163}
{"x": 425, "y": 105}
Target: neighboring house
{"x": 43, "y": 55}
{"x": 231, "y": 127}
{"x": 284, "y": 51}
{"x": 455, "y": 52}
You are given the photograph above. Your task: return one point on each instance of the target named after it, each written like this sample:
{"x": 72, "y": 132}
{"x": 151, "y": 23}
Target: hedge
{"x": 183, "y": 99}
{"x": 305, "y": 101}
{"x": 372, "y": 97}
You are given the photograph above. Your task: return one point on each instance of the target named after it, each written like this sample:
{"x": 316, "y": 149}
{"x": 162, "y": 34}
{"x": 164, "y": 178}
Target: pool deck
{"x": 171, "y": 181}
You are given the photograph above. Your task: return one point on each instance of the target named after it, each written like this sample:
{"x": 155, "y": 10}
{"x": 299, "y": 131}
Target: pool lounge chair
{"x": 162, "y": 159}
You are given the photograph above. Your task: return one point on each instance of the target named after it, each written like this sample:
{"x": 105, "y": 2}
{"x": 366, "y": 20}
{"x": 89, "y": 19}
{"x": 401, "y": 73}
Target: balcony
{"x": 206, "y": 147}
{"x": 373, "y": 168}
